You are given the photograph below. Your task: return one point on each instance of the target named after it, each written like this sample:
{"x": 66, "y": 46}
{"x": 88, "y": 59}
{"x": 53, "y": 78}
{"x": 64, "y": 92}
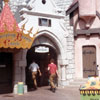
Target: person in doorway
{"x": 34, "y": 67}
{"x": 53, "y": 73}
{"x": 97, "y": 70}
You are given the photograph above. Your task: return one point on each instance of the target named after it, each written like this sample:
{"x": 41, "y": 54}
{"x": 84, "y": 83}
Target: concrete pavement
{"x": 43, "y": 93}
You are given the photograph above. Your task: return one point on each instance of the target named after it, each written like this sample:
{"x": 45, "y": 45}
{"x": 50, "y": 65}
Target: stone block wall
{"x": 70, "y": 69}
{"x": 19, "y": 60}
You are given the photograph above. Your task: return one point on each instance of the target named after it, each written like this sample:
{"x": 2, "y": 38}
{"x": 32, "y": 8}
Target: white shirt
{"x": 33, "y": 67}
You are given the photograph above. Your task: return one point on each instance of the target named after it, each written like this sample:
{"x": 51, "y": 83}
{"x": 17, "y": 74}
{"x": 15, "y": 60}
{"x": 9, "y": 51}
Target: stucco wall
{"x": 87, "y": 8}
{"x": 79, "y": 43}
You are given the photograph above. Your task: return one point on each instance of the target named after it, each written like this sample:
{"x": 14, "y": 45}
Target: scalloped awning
{"x": 11, "y": 36}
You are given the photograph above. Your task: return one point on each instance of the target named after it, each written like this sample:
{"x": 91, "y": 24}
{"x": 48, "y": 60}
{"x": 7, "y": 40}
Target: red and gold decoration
{"x": 11, "y": 36}
{"x": 91, "y": 87}
{"x": 6, "y": 0}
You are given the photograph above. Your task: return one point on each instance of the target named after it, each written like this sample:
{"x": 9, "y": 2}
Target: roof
{"x": 72, "y": 7}
{"x": 7, "y": 20}
{"x": 73, "y": 3}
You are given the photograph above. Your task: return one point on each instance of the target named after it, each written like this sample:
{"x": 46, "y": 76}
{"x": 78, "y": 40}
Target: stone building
{"x": 54, "y": 40}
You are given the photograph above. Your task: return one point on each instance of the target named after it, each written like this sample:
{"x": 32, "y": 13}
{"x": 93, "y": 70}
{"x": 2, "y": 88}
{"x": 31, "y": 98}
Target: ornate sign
{"x": 16, "y": 40}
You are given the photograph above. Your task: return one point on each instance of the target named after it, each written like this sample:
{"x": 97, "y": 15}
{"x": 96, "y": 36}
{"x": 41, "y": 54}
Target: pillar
{"x": 19, "y": 67}
{"x": 63, "y": 73}
{"x": 64, "y": 81}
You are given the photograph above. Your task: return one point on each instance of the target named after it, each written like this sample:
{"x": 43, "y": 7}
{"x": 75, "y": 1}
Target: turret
{"x": 87, "y": 10}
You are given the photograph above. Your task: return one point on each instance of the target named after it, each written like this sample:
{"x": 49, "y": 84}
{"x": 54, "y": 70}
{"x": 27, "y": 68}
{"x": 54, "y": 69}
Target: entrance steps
{"x": 77, "y": 82}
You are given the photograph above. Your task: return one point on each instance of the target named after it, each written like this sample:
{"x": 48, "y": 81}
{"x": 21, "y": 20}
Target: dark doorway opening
{"x": 42, "y": 59}
{"x": 6, "y": 72}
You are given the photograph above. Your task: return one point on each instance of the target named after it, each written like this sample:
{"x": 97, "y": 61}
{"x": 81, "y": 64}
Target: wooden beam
{"x": 98, "y": 14}
{"x": 73, "y": 8}
{"x": 87, "y": 32}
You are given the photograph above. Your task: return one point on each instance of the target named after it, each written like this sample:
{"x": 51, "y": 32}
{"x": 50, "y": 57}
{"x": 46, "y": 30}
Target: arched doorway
{"x": 42, "y": 58}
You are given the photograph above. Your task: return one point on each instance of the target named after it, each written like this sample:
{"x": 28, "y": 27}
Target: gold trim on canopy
{"x": 6, "y": 0}
{"x": 16, "y": 39}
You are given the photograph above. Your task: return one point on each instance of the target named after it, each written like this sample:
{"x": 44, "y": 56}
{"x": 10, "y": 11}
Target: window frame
{"x": 47, "y": 23}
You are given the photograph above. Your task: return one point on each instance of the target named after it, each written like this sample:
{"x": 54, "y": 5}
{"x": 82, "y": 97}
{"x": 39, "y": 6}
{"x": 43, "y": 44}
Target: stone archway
{"x": 42, "y": 58}
{"x": 48, "y": 39}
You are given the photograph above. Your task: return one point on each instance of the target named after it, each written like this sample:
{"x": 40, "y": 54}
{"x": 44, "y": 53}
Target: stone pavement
{"x": 44, "y": 93}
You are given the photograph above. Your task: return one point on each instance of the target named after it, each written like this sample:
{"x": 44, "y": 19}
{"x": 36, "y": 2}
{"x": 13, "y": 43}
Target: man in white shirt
{"x": 34, "y": 69}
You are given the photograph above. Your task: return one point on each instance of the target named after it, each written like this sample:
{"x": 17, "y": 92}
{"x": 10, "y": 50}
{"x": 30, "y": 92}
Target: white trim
{"x": 42, "y": 14}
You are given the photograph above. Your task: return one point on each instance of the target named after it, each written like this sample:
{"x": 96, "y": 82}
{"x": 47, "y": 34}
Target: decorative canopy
{"x": 11, "y": 36}
{"x": 6, "y": 0}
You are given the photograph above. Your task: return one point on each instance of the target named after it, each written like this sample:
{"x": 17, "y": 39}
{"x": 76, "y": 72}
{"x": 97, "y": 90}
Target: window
{"x": 43, "y": 1}
{"x": 71, "y": 18}
{"x": 44, "y": 22}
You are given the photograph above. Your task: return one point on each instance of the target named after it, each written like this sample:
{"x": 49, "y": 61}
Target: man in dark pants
{"x": 53, "y": 72}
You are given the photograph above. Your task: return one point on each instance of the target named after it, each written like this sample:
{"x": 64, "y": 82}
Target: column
{"x": 63, "y": 75}
{"x": 19, "y": 69}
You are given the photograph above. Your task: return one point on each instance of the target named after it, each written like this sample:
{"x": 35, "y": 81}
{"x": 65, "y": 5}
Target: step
{"x": 77, "y": 82}
{"x": 72, "y": 86}
{"x": 82, "y": 80}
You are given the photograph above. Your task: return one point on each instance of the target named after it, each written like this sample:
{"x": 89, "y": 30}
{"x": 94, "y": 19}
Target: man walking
{"x": 34, "y": 69}
{"x": 53, "y": 72}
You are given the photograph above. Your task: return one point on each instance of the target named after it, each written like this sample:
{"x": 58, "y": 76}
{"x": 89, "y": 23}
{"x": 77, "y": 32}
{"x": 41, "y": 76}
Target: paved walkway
{"x": 44, "y": 93}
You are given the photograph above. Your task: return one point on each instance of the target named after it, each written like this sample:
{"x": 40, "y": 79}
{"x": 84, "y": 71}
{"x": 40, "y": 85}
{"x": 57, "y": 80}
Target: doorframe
{"x": 82, "y": 56}
{"x": 56, "y": 43}
{"x": 32, "y": 57}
